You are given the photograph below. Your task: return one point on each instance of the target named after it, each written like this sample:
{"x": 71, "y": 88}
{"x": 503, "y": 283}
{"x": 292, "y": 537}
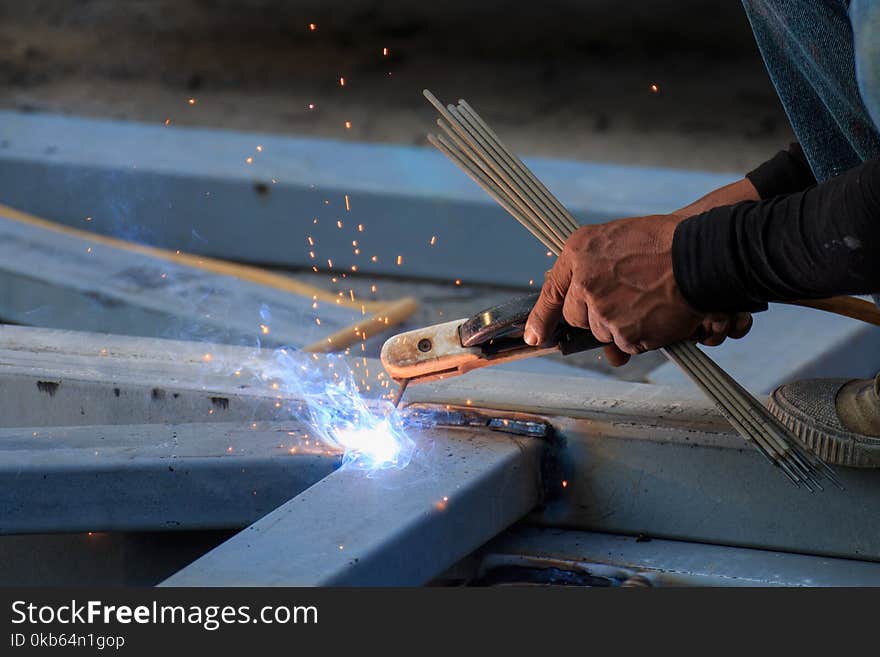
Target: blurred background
{"x": 652, "y": 84}
{"x": 561, "y": 78}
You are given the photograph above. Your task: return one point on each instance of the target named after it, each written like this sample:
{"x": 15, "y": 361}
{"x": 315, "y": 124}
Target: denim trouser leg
{"x": 823, "y": 57}
{"x": 865, "y": 18}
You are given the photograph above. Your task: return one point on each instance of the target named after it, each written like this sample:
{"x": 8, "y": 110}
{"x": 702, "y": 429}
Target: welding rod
{"x": 475, "y": 148}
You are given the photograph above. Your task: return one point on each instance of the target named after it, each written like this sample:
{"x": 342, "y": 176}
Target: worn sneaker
{"x": 839, "y": 419}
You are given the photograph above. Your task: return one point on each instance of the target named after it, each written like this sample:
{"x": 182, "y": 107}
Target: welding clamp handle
{"x": 506, "y": 322}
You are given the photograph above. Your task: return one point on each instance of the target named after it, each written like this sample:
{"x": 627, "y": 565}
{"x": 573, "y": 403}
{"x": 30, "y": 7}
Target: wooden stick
{"x": 390, "y": 314}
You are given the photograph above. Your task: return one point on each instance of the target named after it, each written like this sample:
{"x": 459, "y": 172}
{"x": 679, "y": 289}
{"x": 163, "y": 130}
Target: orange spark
{"x": 654, "y": 89}
{"x": 192, "y": 101}
{"x": 312, "y": 27}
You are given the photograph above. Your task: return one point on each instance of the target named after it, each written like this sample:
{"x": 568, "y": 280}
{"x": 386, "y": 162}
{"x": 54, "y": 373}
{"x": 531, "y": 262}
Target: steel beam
{"x": 153, "y": 477}
{"x": 654, "y": 562}
{"x": 192, "y": 189}
{"x": 66, "y": 378}
{"x": 386, "y": 528}
{"x": 642, "y": 459}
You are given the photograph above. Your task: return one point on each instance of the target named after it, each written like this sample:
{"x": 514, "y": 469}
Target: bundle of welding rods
{"x": 471, "y": 144}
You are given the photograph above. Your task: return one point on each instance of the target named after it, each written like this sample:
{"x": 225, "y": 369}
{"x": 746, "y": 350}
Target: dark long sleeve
{"x": 786, "y": 172}
{"x": 815, "y": 243}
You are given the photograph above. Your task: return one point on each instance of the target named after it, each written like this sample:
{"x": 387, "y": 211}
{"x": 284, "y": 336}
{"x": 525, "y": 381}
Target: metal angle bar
{"x": 390, "y": 527}
{"x": 188, "y": 188}
{"x": 677, "y": 563}
{"x": 64, "y": 378}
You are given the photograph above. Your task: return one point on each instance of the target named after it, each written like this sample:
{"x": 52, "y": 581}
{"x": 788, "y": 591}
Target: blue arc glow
{"x": 327, "y": 397}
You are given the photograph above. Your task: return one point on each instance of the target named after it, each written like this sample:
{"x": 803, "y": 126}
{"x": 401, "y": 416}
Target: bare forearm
{"x": 741, "y": 190}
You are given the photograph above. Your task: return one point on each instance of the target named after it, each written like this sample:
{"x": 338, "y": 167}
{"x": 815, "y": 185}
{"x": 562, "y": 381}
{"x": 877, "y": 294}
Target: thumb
{"x": 548, "y": 309}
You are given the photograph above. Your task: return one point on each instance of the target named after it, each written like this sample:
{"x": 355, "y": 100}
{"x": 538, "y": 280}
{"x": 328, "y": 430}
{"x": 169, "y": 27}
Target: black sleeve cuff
{"x": 786, "y": 172}
{"x": 705, "y": 267}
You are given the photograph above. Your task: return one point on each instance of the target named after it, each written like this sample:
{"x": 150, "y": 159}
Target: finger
{"x": 548, "y": 309}
{"x": 575, "y": 311}
{"x": 740, "y": 326}
{"x": 714, "y": 328}
{"x": 615, "y": 356}
{"x": 628, "y": 346}
{"x": 721, "y": 326}
{"x": 599, "y": 329}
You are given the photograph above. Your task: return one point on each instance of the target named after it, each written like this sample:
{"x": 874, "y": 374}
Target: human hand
{"x": 616, "y": 279}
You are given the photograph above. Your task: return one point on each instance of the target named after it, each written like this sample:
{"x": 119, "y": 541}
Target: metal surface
{"x": 669, "y": 563}
{"x": 638, "y": 458}
{"x": 66, "y": 378}
{"x": 388, "y": 527}
{"x": 661, "y": 478}
{"x": 191, "y": 189}
{"x": 58, "y": 280}
{"x": 153, "y": 477}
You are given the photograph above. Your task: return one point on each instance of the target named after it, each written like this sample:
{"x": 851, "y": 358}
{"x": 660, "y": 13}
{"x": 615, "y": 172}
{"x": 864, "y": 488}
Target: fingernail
{"x": 741, "y": 322}
{"x": 530, "y": 337}
{"x": 719, "y": 327}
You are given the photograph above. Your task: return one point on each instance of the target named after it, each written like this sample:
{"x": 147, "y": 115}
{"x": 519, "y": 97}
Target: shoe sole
{"x": 833, "y": 446}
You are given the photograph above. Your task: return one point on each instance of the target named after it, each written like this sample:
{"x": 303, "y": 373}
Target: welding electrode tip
{"x": 400, "y": 391}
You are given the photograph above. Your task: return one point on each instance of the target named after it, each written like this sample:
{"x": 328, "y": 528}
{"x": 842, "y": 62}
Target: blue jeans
{"x": 823, "y": 57}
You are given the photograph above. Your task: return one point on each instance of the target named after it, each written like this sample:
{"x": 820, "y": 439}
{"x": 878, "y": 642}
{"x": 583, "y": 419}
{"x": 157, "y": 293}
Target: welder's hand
{"x": 716, "y": 327}
{"x": 712, "y": 331}
{"x": 616, "y": 279}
